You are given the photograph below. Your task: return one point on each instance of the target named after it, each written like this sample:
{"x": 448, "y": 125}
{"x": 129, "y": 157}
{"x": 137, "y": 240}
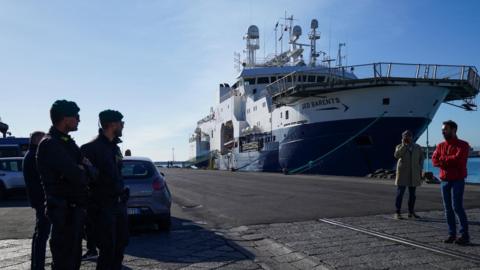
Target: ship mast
{"x": 253, "y": 44}
{"x": 313, "y": 36}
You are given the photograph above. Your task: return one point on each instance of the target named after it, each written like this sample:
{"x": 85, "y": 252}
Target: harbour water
{"x": 473, "y": 168}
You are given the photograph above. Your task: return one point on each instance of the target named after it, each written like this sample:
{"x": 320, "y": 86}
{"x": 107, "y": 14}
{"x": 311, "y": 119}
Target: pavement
{"x": 225, "y": 220}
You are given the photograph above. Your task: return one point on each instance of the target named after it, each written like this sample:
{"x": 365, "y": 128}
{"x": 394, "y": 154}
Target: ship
{"x": 290, "y": 114}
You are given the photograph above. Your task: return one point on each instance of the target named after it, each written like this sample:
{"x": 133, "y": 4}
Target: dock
{"x": 247, "y": 220}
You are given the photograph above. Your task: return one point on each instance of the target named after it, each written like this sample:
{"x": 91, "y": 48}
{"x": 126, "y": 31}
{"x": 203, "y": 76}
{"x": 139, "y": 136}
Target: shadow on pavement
{"x": 442, "y": 220}
{"x": 186, "y": 243}
{"x": 15, "y": 199}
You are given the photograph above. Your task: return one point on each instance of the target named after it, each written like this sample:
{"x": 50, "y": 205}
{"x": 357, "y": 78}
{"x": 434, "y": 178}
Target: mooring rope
{"x": 313, "y": 163}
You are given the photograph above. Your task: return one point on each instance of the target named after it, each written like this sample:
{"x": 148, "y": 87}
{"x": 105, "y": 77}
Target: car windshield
{"x": 137, "y": 169}
{"x": 11, "y": 165}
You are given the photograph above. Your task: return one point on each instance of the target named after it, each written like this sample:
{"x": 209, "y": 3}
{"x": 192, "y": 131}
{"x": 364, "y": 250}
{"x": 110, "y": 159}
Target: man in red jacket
{"x": 451, "y": 157}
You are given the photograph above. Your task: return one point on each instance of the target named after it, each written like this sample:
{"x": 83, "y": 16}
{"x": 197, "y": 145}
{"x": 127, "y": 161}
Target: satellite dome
{"x": 297, "y": 31}
{"x": 253, "y": 32}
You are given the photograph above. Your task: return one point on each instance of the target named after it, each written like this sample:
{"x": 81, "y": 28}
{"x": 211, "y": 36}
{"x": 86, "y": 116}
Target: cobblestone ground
{"x": 299, "y": 245}
{"x": 316, "y": 244}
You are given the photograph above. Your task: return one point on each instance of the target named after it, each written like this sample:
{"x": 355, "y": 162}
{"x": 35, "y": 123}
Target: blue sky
{"x": 160, "y": 62}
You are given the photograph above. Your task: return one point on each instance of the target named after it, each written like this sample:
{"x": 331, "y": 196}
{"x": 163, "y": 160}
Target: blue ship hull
{"x": 371, "y": 150}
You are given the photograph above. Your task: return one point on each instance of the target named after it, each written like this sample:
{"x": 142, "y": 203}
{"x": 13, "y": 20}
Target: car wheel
{"x": 3, "y": 191}
{"x": 164, "y": 224}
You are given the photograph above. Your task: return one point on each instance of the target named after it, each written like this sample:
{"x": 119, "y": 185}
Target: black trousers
{"x": 411, "y": 198}
{"x": 90, "y": 232}
{"x": 112, "y": 225}
{"x": 67, "y": 229}
{"x": 39, "y": 239}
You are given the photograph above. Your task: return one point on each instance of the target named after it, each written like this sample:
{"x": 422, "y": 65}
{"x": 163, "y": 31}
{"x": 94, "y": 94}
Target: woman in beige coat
{"x": 409, "y": 172}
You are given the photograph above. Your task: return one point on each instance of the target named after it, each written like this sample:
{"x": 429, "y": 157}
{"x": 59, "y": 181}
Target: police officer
{"x": 62, "y": 171}
{"x": 36, "y": 196}
{"x": 108, "y": 193}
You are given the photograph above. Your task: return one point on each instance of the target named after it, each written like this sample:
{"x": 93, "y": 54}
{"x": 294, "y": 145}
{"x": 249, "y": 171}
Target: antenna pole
{"x": 276, "y": 41}
{"x": 339, "y": 55}
{"x": 313, "y": 42}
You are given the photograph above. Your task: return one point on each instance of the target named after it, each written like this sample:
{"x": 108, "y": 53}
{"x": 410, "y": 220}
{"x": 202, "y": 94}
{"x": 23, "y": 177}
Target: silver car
{"x": 150, "y": 198}
{"x": 11, "y": 175}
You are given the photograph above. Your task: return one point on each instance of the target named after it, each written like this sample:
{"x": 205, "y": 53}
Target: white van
{"x": 11, "y": 175}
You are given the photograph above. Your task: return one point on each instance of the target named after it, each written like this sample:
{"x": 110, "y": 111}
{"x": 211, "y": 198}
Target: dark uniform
{"x": 58, "y": 159}
{"x": 36, "y": 196}
{"x": 109, "y": 196}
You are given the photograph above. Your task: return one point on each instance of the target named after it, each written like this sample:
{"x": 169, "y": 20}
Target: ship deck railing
{"x": 462, "y": 81}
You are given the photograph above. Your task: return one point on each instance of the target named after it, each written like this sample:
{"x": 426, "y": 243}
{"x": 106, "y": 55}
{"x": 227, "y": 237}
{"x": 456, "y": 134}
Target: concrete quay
{"x": 235, "y": 220}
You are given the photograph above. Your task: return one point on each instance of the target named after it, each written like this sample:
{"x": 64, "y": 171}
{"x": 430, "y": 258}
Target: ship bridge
{"x": 463, "y": 82}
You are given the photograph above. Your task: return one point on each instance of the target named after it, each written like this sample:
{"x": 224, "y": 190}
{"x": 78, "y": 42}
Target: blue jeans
{"x": 455, "y": 206}
{"x": 39, "y": 239}
{"x": 411, "y": 198}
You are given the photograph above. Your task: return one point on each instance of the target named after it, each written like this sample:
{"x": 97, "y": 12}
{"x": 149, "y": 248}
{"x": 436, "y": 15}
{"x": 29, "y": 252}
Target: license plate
{"x": 133, "y": 211}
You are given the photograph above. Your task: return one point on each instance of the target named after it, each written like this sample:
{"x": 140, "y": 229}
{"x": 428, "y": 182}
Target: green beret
{"x": 64, "y": 108}
{"x": 109, "y": 116}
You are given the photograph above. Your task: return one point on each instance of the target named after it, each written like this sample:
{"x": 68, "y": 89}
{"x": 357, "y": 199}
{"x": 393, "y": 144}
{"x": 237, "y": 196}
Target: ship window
{"x": 254, "y": 91}
{"x": 386, "y": 101}
{"x": 304, "y": 78}
{"x": 289, "y": 79}
{"x": 274, "y": 138}
{"x": 281, "y": 114}
{"x": 250, "y": 81}
{"x": 263, "y": 104}
{"x": 235, "y": 85}
{"x": 262, "y": 80}
{"x": 320, "y": 78}
{"x": 254, "y": 108}
{"x": 286, "y": 114}
{"x": 272, "y": 79}
{"x": 311, "y": 78}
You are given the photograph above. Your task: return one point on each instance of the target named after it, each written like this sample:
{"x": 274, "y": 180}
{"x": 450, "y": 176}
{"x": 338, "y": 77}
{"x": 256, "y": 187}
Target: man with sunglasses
{"x": 62, "y": 170}
{"x": 108, "y": 193}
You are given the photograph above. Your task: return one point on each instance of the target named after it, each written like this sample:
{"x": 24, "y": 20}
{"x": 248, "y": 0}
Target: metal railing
{"x": 412, "y": 71}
